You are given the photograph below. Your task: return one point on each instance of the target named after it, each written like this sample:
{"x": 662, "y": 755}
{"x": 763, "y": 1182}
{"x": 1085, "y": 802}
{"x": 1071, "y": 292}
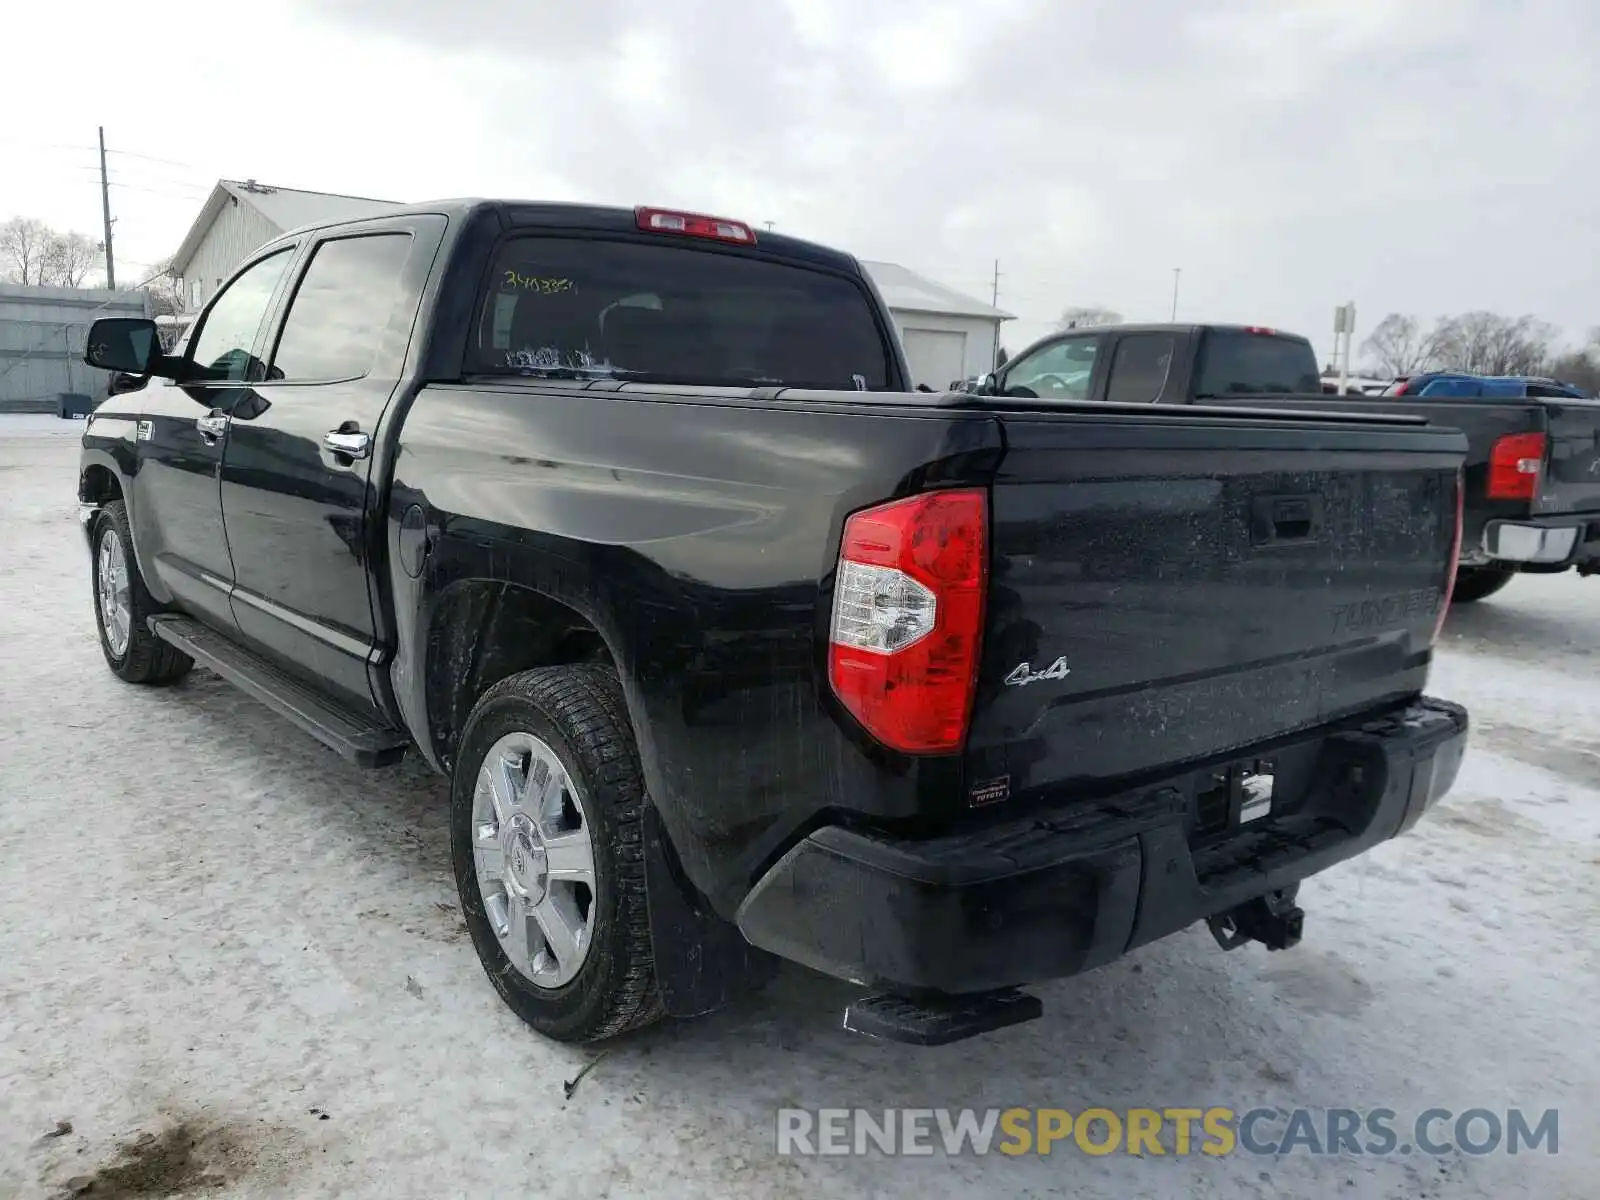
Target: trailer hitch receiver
{"x": 1274, "y": 920}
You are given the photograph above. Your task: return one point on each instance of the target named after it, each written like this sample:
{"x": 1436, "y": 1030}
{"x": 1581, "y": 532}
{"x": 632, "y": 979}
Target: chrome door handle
{"x": 347, "y": 445}
{"x": 211, "y": 427}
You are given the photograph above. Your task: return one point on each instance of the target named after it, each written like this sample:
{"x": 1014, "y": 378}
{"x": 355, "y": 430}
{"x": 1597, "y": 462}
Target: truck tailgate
{"x": 1572, "y": 474}
{"x": 1165, "y": 590}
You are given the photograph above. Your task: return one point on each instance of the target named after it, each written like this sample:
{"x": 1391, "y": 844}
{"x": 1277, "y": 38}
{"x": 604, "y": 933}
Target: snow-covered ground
{"x": 213, "y": 931}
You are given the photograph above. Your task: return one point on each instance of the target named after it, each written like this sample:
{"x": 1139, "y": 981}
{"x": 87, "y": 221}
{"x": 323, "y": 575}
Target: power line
{"x": 171, "y": 162}
{"x": 176, "y": 195}
{"x": 163, "y": 187}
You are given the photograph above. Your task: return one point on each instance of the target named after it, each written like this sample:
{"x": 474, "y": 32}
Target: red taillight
{"x": 1403, "y": 388}
{"x": 686, "y": 224}
{"x": 1455, "y": 558}
{"x": 1261, "y": 329}
{"x": 908, "y": 617}
{"x": 1515, "y": 464}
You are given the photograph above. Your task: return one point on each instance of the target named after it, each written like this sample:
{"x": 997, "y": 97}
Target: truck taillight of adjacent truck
{"x": 907, "y": 621}
{"x": 1516, "y": 462}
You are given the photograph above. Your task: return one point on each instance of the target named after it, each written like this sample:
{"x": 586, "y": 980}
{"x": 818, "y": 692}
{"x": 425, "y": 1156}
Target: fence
{"x": 42, "y": 334}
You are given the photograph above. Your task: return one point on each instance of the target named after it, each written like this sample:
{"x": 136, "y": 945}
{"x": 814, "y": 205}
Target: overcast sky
{"x": 1426, "y": 156}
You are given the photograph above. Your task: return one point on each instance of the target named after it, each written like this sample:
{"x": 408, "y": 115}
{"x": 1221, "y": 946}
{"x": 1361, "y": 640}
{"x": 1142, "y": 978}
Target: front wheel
{"x": 546, "y": 837}
{"x": 1478, "y": 583}
{"x": 123, "y": 607}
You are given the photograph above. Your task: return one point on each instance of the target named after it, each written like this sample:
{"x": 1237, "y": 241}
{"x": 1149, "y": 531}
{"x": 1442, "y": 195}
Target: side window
{"x": 1453, "y": 387}
{"x": 341, "y": 309}
{"x": 1139, "y": 368}
{"x": 1059, "y": 371}
{"x": 222, "y": 349}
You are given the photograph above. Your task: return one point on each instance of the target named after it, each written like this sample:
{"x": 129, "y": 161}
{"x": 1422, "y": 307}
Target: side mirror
{"x": 988, "y": 385}
{"x": 126, "y": 344}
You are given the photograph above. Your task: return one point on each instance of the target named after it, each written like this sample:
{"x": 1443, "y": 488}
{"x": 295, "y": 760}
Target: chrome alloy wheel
{"x": 111, "y": 581}
{"x": 532, "y": 847}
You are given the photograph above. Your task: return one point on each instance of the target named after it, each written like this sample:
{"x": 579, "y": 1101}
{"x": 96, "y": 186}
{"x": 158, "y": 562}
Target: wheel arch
{"x": 102, "y": 481}
{"x": 485, "y": 629}
{"x": 99, "y": 482}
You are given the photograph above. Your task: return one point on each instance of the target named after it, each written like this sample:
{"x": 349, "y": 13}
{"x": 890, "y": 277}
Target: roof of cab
{"x": 597, "y": 217}
{"x": 1177, "y": 327}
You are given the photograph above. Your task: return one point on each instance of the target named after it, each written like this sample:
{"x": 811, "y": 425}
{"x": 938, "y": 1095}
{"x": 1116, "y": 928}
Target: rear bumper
{"x": 1073, "y": 887}
{"x": 1550, "y": 541}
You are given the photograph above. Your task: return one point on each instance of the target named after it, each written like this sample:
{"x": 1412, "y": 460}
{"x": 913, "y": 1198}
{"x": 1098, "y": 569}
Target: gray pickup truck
{"x": 1532, "y": 471}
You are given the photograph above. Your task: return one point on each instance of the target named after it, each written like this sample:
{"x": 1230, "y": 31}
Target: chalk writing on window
{"x": 533, "y": 360}
{"x": 542, "y": 285}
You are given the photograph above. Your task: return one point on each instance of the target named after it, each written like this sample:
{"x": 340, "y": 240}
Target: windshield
{"x": 590, "y": 308}
{"x": 1244, "y": 364}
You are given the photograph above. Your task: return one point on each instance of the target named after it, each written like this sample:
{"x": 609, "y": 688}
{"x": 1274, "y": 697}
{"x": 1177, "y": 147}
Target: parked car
{"x": 733, "y": 646}
{"x": 1457, "y": 385}
{"x": 1532, "y": 493}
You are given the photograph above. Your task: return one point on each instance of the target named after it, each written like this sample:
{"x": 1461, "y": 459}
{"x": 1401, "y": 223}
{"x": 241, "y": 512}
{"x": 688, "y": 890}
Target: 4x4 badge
{"x": 1023, "y": 674}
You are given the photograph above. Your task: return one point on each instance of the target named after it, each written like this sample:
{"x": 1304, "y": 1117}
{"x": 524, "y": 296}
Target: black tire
{"x": 1478, "y": 583}
{"x": 146, "y": 659}
{"x": 580, "y": 713}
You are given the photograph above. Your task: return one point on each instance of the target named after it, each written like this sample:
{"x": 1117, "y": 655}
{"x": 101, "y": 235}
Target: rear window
{"x": 590, "y": 309}
{"x": 1244, "y": 364}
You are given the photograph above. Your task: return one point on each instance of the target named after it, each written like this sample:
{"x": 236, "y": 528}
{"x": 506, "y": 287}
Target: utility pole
{"x": 1177, "y": 272}
{"x": 994, "y": 302}
{"x": 105, "y": 208}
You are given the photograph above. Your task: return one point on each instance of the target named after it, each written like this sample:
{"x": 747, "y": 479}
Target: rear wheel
{"x": 546, "y": 836}
{"x": 1477, "y": 583}
{"x": 123, "y": 607}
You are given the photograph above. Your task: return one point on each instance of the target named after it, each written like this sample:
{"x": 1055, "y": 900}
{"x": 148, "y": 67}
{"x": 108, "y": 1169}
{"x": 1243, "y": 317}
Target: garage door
{"x": 936, "y": 357}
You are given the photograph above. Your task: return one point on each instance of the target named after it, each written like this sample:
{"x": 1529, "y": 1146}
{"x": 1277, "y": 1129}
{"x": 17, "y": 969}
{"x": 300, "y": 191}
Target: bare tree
{"x": 1088, "y": 317}
{"x": 1398, "y": 346}
{"x": 33, "y": 253}
{"x": 24, "y": 250}
{"x": 166, "y": 297}
{"x": 1581, "y": 367}
{"x": 1485, "y": 343}
{"x": 68, "y": 259}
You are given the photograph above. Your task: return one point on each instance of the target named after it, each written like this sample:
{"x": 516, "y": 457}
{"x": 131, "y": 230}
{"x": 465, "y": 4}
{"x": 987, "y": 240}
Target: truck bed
{"x": 1569, "y": 484}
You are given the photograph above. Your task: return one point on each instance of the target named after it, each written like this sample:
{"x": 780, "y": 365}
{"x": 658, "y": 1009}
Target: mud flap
{"x": 702, "y": 961}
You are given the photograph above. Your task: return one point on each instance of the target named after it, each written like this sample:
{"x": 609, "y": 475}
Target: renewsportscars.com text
{"x": 1214, "y": 1131}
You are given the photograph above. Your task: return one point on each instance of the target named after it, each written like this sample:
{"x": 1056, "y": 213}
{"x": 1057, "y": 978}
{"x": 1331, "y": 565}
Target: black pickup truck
{"x": 1532, "y": 472}
{"x": 734, "y": 647}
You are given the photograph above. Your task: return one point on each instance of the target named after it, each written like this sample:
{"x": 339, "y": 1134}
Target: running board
{"x": 940, "y": 1021}
{"x": 352, "y": 736}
